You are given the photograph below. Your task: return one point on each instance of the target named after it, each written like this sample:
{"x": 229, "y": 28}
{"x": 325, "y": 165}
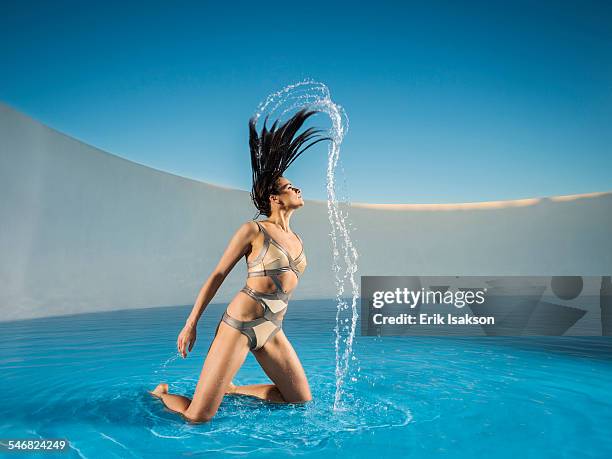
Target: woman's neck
{"x": 280, "y": 220}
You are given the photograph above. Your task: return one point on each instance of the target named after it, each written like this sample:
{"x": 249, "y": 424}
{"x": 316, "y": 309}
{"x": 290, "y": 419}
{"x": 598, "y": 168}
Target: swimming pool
{"x": 84, "y": 378}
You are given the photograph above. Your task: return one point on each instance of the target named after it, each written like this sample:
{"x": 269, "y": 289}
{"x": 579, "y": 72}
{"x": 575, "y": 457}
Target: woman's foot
{"x": 231, "y": 388}
{"x": 159, "y": 390}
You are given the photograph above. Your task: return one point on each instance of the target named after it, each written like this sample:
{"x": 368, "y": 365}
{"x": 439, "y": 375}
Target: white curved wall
{"x": 82, "y": 230}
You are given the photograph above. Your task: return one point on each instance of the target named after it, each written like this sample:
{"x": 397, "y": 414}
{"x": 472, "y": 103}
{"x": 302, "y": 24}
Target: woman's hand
{"x": 186, "y": 339}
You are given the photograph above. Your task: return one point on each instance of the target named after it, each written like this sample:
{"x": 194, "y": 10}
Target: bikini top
{"x": 273, "y": 259}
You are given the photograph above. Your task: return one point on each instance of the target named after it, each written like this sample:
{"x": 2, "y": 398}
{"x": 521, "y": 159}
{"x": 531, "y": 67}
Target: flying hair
{"x": 273, "y": 151}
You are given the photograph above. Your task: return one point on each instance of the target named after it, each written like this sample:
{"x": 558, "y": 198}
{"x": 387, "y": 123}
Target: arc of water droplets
{"x": 317, "y": 96}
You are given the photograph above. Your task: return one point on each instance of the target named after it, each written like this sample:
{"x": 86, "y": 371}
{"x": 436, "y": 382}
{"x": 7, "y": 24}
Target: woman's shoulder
{"x": 249, "y": 228}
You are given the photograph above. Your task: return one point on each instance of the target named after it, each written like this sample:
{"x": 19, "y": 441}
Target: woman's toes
{"x": 159, "y": 390}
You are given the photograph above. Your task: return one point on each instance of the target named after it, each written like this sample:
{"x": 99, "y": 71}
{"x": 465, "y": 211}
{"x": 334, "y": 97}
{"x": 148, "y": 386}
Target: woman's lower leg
{"x": 176, "y": 403}
{"x": 173, "y": 402}
{"x": 267, "y": 392}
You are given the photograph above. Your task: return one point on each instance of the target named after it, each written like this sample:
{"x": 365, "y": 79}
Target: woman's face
{"x": 289, "y": 195}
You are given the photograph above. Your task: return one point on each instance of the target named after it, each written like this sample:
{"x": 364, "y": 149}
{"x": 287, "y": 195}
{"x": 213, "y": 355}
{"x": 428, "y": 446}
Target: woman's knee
{"x": 201, "y": 417}
{"x": 300, "y": 397}
{"x": 197, "y": 420}
{"x": 202, "y": 413}
{"x": 301, "y": 400}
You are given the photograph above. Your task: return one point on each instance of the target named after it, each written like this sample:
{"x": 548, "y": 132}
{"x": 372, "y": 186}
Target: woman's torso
{"x": 270, "y": 250}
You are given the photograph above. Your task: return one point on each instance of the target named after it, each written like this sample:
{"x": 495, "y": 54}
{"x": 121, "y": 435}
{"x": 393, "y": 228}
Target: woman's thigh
{"x": 223, "y": 360}
{"x": 282, "y": 365}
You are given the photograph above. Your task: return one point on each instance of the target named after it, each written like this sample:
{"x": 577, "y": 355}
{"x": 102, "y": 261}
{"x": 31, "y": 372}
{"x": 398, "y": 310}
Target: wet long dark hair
{"x": 273, "y": 151}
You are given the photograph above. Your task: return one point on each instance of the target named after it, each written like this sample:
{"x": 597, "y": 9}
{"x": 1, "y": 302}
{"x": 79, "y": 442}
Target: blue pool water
{"x": 84, "y": 378}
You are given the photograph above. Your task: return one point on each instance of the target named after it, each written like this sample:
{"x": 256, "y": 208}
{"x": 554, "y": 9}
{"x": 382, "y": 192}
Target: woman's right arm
{"x": 236, "y": 249}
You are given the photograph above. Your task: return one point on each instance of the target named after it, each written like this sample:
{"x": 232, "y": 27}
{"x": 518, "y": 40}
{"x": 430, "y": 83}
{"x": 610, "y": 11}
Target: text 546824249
{"x": 27, "y": 444}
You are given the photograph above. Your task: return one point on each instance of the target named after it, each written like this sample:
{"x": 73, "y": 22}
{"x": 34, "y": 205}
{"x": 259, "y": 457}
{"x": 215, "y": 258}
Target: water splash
{"x": 315, "y": 95}
{"x": 162, "y": 367}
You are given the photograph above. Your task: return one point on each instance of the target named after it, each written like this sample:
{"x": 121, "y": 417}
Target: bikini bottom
{"x": 260, "y": 330}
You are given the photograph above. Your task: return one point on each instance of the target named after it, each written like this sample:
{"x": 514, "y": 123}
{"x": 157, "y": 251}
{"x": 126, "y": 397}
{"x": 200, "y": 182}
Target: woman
{"x": 253, "y": 319}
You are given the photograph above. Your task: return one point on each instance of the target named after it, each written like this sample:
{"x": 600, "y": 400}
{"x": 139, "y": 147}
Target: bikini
{"x": 272, "y": 261}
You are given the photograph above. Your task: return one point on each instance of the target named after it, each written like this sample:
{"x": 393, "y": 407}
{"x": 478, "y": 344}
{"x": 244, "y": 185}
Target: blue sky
{"x": 447, "y": 102}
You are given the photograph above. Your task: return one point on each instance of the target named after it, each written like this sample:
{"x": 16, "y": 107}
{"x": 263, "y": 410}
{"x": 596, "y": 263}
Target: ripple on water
{"x": 424, "y": 395}
{"x": 244, "y": 423}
